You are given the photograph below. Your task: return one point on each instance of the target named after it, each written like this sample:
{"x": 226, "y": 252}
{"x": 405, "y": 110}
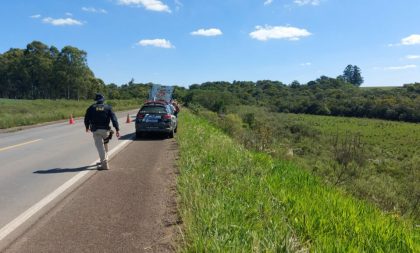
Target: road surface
{"x": 36, "y": 162}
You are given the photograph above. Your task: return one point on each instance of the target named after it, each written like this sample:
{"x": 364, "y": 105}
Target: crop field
{"x": 236, "y": 200}
{"x": 14, "y": 113}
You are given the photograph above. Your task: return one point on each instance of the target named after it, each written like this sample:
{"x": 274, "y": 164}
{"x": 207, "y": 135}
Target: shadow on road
{"x": 126, "y": 137}
{"x": 66, "y": 170}
{"x": 131, "y": 136}
{"x": 144, "y": 137}
{"x": 151, "y": 137}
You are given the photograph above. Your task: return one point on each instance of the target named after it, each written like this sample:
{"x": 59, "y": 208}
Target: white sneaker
{"x": 104, "y": 166}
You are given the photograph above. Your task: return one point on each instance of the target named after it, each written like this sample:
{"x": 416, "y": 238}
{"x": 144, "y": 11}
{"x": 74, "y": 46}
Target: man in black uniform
{"x": 97, "y": 120}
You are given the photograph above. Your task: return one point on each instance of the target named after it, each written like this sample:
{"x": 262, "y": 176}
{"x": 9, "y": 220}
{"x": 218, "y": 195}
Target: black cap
{"x": 99, "y": 97}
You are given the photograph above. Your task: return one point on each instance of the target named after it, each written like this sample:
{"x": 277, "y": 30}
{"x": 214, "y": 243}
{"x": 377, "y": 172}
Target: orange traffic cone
{"x": 71, "y": 121}
{"x": 128, "y": 119}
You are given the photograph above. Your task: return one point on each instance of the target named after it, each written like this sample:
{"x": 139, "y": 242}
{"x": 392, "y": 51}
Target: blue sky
{"x": 181, "y": 42}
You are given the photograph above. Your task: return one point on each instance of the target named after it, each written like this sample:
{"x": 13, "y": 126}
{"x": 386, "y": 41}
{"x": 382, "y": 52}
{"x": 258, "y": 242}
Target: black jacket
{"x": 98, "y": 116}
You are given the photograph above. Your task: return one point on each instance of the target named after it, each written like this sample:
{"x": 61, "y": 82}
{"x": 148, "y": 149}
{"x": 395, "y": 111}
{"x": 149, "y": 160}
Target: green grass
{"x": 14, "y": 113}
{"x": 234, "y": 200}
{"x": 390, "y": 174}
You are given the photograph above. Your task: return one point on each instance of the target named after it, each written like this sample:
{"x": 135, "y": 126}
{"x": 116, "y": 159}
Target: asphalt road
{"x": 129, "y": 208}
{"x": 36, "y": 161}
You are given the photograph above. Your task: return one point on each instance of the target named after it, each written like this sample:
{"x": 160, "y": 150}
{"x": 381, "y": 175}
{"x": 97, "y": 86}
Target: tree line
{"x": 39, "y": 71}
{"x": 323, "y": 96}
{"x": 44, "y": 72}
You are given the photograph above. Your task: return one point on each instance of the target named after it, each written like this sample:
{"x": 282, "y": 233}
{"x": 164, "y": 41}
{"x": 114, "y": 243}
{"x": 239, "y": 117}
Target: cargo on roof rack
{"x": 161, "y": 93}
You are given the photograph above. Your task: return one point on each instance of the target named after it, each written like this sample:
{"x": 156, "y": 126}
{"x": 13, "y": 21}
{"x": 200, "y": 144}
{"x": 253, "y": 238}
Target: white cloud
{"x": 412, "y": 66}
{"x": 307, "y": 2}
{"x": 35, "y": 16}
{"x": 156, "y": 43}
{"x": 413, "y": 39}
{"x": 207, "y": 32}
{"x": 153, "y": 5}
{"x": 61, "y": 21}
{"x": 306, "y": 64}
{"x": 412, "y": 57}
{"x": 266, "y": 32}
{"x": 94, "y": 10}
{"x": 268, "y": 2}
{"x": 69, "y": 14}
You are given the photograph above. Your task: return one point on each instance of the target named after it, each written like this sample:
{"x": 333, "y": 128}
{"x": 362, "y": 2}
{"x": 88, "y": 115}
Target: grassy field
{"x": 375, "y": 160}
{"x": 15, "y": 113}
{"x": 235, "y": 200}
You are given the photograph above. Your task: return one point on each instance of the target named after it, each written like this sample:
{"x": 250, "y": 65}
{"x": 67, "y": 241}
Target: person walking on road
{"x": 97, "y": 119}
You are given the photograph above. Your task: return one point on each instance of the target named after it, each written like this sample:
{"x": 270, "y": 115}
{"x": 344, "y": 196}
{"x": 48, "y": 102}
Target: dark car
{"x": 156, "y": 117}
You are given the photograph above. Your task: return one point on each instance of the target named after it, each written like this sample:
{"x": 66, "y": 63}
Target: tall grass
{"x": 234, "y": 200}
{"x": 385, "y": 164}
{"x": 15, "y": 113}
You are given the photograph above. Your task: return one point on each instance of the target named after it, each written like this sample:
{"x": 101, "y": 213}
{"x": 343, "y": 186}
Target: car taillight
{"x": 140, "y": 115}
{"x": 166, "y": 116}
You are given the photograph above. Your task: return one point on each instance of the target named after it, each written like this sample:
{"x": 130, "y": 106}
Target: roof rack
{"x": 163, "y": 102}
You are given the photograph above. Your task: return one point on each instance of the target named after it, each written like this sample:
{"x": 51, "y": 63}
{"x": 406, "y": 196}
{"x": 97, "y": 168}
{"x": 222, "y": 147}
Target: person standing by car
{"x": 176, "y": 107}
{"x": 97, "y": 119}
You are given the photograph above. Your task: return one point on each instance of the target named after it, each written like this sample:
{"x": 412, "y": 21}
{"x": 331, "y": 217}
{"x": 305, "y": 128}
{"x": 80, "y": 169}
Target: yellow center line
{"x": 18, "y": 145}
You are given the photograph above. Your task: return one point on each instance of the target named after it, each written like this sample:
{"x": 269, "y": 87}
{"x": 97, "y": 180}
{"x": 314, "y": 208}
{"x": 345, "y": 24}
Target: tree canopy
{"x": 323, "y": 96}
{"x": 40, "y": 71}
{"x": 352, "y": 74}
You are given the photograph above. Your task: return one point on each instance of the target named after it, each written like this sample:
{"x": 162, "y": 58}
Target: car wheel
{"x": 139, "y": 135}
{"x": 171, "y": 134}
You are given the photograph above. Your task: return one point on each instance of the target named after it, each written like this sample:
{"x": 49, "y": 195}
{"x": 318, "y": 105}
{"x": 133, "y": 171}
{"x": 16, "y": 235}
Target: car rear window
{"x": 153, "y": 109}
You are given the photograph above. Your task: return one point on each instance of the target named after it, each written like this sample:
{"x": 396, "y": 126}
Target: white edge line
{"x": 14, "y": 224}
{"x": 19, "y": 145}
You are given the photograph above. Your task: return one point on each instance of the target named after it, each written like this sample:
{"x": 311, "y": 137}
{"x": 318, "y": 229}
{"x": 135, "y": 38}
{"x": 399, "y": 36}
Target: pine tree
{"x": 357, "y": 78}
{"x": 352, "y": 74}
